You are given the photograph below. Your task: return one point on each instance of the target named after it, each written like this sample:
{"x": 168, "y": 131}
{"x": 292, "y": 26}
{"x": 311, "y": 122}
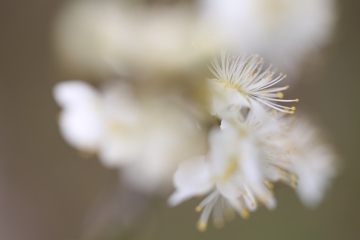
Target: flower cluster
{"x": 253, "y": 147}
{"x": 161, "y": 123}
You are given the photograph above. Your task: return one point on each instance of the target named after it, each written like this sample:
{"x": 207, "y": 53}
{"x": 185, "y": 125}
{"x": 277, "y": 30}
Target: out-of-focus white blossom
{"x": 283, "y": 31}
{"x": 106, "y": 37}
{"x": 146, "y": 139}
{"x": 313, "y": 160}
{"x": 106, "y": 122}
{"x": 90, "y": 36}
{"x": 242, "y": 82}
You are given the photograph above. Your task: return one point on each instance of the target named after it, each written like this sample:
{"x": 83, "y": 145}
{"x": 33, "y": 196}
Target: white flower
{"x": 242, "y": 82}
{"x": 107, "y": 37}
{"x": 312, "y": 160}
{"x": 283, "y": 31}
{"x": 232, "y": 174}
{"x": 104, "y": 122}
{"x": 91, "y": 35}
{"x": 147, "y": 140}
{"x": 170, "y": 136}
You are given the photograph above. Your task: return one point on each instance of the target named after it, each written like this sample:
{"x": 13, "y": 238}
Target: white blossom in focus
{"x": 242, "y": 82}
{"x": 282, "y": 31}
{"x": 233, "y": 174}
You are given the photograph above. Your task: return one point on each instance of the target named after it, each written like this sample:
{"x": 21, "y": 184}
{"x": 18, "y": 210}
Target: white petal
{"x": 81, "y": 119}
{"x": 81, "y": 128}
{"x": 119, "y": 149}
{"x": 258, "y": 110}
{"x": 73, "y": 94}
{"x": 226, "y": 101}
{"x": 193, "y": 178}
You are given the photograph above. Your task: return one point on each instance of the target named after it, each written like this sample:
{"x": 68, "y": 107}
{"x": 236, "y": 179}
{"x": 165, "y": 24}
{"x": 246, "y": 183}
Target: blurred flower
{"x": 242, "y": 82}
{"x": 313, "y": 160}
{"x": 91, "y": 35}
{"x": 283, "y": 31}
{"x": 141, "y": 137}
{"x": 108, "y": 37}
{"x": 94, "y": 121}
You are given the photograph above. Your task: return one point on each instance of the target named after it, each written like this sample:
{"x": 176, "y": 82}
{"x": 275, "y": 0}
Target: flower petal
{"x": 193, "y": 178}
{"x": 74, "y": 94}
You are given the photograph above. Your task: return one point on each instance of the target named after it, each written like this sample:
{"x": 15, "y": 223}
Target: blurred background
{"x": 47, "y": 191}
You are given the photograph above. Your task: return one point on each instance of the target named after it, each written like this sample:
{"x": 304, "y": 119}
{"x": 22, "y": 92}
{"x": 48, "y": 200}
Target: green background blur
{"x": 47, "y": 190}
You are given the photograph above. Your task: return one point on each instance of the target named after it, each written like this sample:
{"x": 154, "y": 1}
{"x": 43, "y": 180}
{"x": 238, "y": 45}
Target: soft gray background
{"x": 46, "y": 189}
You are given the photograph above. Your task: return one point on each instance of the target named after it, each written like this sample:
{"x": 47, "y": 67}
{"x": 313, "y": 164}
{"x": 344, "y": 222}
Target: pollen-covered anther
{"x": 269, "y": 184}
{"x": 297, "y": 100}
{"x": 198, "y": 209}
{"x": 201, "y": 226}
{"x": 280, "y": 95}
{"x": 294, "y": 180}
{"x": 293, "y": 108}
{"x": 245, "y": 214}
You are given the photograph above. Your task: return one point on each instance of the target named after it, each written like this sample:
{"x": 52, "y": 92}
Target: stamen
{"x": 245, "y": 214}
{"x": 201, "y": 226}
{"x": 207, "y": 200}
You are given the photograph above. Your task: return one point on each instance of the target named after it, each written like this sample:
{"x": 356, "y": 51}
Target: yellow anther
{"x": 293, "y": 108}
{"x": 280, "y": 95}
{"x": 293, "y": 184}
{"x": 231, "y": 169}
{"x": 294, "y": 177}
{"x": 198, "y": 209}
{"x": 285, "y": 76}
{"x": 287, "y": 87}
{"x": 201, "y": 226}
{"x": 292, "y": 112}
{"x": 245, "y": 214}
{"x": 296, "y": 100}
{"x": 269, "y": 184}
